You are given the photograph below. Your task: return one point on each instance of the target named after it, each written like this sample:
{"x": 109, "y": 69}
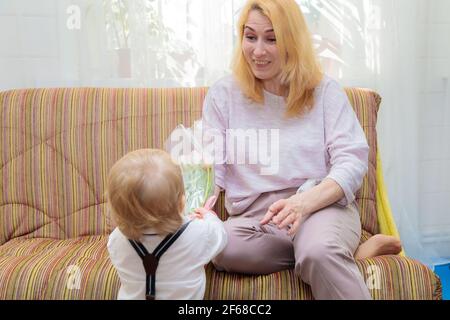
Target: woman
{"x": 277, "y": 87}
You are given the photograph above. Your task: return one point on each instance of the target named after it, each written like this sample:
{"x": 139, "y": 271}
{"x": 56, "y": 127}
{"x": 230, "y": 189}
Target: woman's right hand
{"x": 287, "y": 213}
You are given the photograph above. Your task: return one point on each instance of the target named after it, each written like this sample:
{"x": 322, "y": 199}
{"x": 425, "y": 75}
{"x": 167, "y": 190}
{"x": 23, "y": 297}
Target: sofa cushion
{"x": 58, "y": 145}
{"x": 39, "y": 269}
{"x": 388, "y": 278}
{"x": 366, "y": 104}
{"x": 80, "y": 269}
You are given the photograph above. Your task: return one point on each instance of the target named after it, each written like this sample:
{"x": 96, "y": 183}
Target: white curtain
{"x": 398, "y": 48}
{"x": 171, "y": 43}
{"x": 384, "y": 45}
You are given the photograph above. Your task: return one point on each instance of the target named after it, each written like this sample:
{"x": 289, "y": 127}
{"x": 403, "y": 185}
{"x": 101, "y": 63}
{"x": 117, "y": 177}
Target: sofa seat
{"x": 389, "y": 277}
{"x": 43, "y": 268}
{"x": 80, "y": 269}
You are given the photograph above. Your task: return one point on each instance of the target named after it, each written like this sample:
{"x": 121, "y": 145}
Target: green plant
{"x": 117, "y": 22}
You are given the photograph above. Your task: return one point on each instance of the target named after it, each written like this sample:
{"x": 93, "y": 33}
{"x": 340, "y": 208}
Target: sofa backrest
{"x": 57, "y": 146}
{"x": 366, "y": 104}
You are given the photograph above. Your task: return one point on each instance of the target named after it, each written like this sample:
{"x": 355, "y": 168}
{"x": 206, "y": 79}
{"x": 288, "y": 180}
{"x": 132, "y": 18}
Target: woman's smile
{"x": 261, "y": 64}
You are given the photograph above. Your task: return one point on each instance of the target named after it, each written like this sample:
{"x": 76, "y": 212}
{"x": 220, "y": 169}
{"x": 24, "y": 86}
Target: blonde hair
{"x": 145, "y": 190}
{"x": 300, "y": 70}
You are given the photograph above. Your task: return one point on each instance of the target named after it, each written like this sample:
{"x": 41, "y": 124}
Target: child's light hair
{"x": 145, "y": 190}
{"x": 301, "y": 72}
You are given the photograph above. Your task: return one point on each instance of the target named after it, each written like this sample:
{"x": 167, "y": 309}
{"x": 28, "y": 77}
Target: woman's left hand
{"x": 287, "y": 212}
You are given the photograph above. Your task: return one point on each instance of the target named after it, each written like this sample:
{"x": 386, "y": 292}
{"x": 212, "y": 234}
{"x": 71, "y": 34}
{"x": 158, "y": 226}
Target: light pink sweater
{"x": 326, "y": 143}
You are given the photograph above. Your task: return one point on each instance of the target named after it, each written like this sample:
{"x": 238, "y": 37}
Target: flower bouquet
{"x": 190, "y": 152}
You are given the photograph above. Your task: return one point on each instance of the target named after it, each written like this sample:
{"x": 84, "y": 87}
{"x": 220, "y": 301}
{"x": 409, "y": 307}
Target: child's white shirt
{"x": 181, "y": 273}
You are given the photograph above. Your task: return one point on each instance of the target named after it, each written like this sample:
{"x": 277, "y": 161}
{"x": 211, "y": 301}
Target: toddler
{"x": 157, "y": 252}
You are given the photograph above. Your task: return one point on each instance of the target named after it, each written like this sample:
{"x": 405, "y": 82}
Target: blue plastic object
{"x": 443, "y": 271}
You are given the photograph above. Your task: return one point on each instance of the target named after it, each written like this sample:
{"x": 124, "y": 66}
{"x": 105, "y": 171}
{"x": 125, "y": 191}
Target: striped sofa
{"x": 56, "y": 147}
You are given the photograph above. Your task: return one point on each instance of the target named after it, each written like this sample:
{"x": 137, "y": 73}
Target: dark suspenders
{"x": 151, "y": 260}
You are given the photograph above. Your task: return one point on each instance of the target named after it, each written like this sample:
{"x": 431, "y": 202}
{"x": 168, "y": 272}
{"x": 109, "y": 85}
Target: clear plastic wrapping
{"x": 188, "y": 150}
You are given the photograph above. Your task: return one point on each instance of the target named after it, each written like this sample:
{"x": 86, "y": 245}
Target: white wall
{"x": 434, "y": 133}
{"x": 30, "y": 46}
{"x": 39, "y": 50}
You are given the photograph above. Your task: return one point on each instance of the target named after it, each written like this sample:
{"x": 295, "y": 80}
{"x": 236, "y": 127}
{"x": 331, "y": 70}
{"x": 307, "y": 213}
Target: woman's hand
{"x": 287, "y": 212}
{"x": 300, "y": 206}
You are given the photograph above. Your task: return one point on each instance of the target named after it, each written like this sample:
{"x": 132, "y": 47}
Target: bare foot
{"x": 378, "y": 245}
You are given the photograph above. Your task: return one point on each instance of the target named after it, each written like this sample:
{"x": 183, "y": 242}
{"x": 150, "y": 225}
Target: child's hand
{"x": 200, "y": 213}
{"x": 195, "y": 215}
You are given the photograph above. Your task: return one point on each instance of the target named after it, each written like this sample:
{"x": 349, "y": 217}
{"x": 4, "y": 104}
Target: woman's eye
{"x": 254, "y": 38}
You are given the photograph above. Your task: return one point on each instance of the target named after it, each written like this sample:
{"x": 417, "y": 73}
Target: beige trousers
{"x": 321, "y": 252}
